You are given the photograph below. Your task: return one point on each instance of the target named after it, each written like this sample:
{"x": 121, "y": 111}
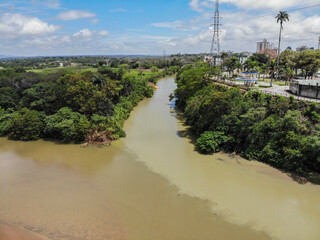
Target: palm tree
{"x": 282, "y": 16}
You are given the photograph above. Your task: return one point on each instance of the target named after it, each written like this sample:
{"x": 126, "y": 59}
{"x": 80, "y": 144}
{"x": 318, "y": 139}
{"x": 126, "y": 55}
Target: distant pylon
{"x": 215, "y": 45}
{"x": 319, "y": 43}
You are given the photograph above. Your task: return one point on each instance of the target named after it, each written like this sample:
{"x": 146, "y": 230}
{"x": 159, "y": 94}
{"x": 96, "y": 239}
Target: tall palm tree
{"x": 282, "y": 16}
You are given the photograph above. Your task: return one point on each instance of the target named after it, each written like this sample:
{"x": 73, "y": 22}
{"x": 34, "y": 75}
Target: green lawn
{"x": 75, "y": 69}
{"x": 135, "y": 73}
{"x": 280, "y": 83}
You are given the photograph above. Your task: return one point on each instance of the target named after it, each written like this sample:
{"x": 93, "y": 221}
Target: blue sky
{"x": 75, "y": 27}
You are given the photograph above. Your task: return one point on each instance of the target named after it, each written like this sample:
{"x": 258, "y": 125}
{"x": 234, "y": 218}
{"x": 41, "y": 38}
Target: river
{"x": 149, "y": 185}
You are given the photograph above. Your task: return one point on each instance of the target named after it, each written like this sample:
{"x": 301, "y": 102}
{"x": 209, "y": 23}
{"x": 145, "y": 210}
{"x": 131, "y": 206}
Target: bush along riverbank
{"x": 279, "y": 131}
{"x": 71, "y": 108}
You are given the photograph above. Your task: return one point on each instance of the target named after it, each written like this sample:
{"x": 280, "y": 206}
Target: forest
{"x": 72, "y": 107}
{"x": 280, "y": 131}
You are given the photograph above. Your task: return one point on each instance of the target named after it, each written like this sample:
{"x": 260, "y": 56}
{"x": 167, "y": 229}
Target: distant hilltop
{"x": 111, "y": 56}
{"x": 6, "y": 56}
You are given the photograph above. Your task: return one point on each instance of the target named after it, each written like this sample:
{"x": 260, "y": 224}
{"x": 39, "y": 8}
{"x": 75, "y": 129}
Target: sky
{"x": 148, "y": 27}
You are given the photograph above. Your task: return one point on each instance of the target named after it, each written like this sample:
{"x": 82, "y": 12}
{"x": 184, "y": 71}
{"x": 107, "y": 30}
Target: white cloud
{"x": 84, "y": 35}
{"x": 75, "y": 14}
{"x": 55, "y": 4}
{"x": 14, "y": 25}
{"x": 200, "y": 5}
{"x": 48, "y": 42}
{"x": 181, "y": 25}
{"x": 195, "y": 5}
{"x": 262, "y": 4}
{"x": 118, "y": 10}
{"x": 152, "y": 37}
{"x": 94, "y": 21}
{"x": 103, "y": 33}
{"x": 240, "y": 31}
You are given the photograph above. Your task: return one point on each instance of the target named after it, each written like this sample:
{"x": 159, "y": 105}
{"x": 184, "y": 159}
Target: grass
{"x": 135, "y": 73}
{"x": 280, "y": 83}
{"x": 75, "y": 69}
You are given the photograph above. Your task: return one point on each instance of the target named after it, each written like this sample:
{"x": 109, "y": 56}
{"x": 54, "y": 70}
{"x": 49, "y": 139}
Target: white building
{"x": 261, "y": 46}
{"x": 302, "y": 48}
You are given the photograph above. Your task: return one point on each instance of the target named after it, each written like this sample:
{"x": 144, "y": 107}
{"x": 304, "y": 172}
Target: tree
{"x": 282, "y": 16}
{"x": 250, "y": 65}
{"x": 290, "y": 59}
{"x": 8, "y": 98}
{"x": 288, "y": 73}
{"x": 26, "y": 125}
{"x": 39, "y": 97}
{"x": 154, "y": 69}
{"x": 309, "y": 62}
{"x": 260, "y": 58}
{"x": 264, "y": 70}
{"x": 224, "y": 55}
{"x": 125, "y": 66}
{"x": 67, "y": 126}
{"x": 272, "y": 68}
{"x": 231, "y": 64}
{"x": 210, "y": 142}
{"x": 5, "y": 122}
{"x": 191, "y": 80}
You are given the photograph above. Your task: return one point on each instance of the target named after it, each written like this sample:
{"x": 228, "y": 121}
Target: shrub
{"x": 210, "y": 142}
{"x": 26, "y": 125}
{"x": 67, "y": 126}
{"x": 8, "y": 97}
{"x": 5, "y": 122}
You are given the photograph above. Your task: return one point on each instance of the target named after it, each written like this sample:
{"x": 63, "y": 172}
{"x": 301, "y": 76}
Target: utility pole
{"x": 215, "y": 45}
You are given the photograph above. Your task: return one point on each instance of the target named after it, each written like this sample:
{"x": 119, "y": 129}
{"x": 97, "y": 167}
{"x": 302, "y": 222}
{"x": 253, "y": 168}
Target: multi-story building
{"x": 302, "y": 48}
{"x": 261, "y": 46}
{"x": 243, "y": 56}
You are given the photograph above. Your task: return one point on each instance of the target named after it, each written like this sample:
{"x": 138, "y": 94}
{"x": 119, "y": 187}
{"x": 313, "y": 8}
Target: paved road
{"x": 278, "y": 90}
{"x": 283, "y": 91}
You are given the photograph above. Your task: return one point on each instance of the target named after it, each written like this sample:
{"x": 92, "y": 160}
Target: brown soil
{"x": 8, "y": 232}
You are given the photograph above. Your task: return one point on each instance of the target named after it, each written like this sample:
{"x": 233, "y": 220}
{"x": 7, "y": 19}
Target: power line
{"x": 291, "y": 10}
{"x": 297, "y": 9}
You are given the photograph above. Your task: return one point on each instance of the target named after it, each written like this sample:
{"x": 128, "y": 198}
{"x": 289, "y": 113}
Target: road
{"x": 278, "y": 90}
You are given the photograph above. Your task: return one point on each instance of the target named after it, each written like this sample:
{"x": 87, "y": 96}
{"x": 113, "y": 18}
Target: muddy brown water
{"x": 149, "y": 185}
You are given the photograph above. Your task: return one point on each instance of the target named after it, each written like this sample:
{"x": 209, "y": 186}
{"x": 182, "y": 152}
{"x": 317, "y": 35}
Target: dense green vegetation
{"x": 76, "y": 63}
{"x": 303, "y": 64}
{"x": 273, "y": 129}
{"x": 72, "y": 105}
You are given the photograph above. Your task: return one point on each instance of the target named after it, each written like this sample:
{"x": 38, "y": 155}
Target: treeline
{"x": 280, "y": 131}
{"x": 303, "y": 64}
{"x": 97, "y": 61}
{"x": 72, "y": 108}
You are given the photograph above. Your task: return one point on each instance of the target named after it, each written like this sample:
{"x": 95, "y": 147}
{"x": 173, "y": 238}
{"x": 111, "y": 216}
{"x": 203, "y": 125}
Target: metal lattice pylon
{"x": 215, "y": 46}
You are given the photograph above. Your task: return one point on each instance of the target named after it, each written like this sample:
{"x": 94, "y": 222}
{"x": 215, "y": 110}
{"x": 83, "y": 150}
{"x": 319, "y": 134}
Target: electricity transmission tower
{"x": 319, "y": 43}
{"x": 215, "y": 45}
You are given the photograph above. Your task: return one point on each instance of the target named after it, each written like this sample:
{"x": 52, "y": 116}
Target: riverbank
{"x": 151, "y": 185}
{"x": 8, "y": 232}
{"x": 246, "y": 193}
{"x": 279, "y": 131}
